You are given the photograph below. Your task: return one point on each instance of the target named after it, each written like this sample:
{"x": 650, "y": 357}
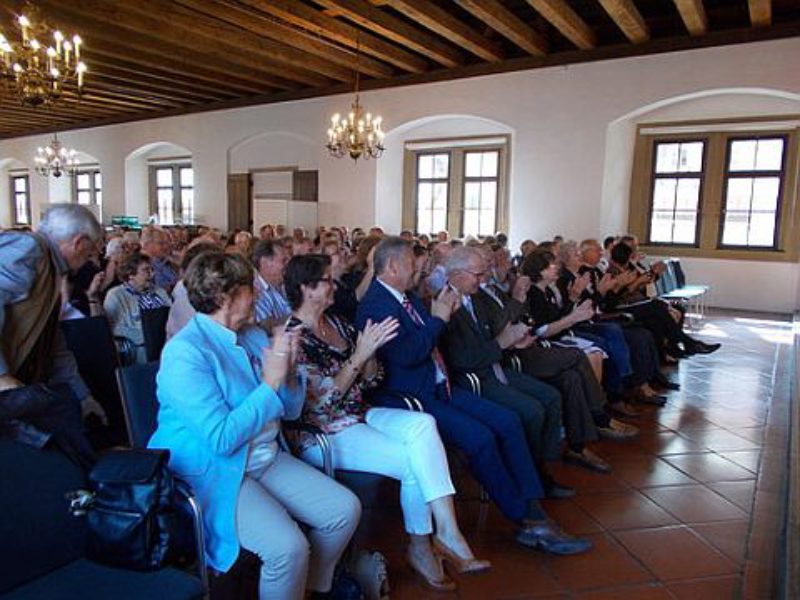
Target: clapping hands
{"x": 279, "y": 358}
{"x": 373, "y": 336}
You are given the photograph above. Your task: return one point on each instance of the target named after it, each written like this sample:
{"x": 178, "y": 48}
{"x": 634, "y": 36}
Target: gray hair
{"x": 389, "y": 248}
{"x": 566, "y": 248}
{"x": 460, "y": 258}
{"x": 63, "y": 222}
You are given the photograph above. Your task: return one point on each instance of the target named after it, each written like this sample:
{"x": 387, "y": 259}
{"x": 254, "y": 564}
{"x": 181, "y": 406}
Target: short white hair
{"x": 63, "y": 222}
{"x": 460, "y": 258}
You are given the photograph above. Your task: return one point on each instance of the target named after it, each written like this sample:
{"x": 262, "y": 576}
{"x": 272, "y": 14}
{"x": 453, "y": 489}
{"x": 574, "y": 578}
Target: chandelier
{"x": 359, "y": 134}
{"x": 55, "y": 159}
{"x": 41, "y": 62}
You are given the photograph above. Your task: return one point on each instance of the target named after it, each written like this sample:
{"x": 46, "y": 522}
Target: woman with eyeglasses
{"x": 339, "y": 366}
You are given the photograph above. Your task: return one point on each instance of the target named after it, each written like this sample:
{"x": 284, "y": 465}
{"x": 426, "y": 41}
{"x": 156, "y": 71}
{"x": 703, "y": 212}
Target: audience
{"x": 540, "y": 337}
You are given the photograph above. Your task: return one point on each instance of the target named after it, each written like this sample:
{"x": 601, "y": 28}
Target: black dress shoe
{"x": 661, "y": 381}
{"x": 653, "y": 400}
{"x": 703, "y": 348}
{"x": 557, "y": 491}
{"x": 549, "y": 537}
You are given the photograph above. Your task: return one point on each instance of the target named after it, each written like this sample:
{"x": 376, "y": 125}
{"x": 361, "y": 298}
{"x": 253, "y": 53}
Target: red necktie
{"x": 435, "y": 355}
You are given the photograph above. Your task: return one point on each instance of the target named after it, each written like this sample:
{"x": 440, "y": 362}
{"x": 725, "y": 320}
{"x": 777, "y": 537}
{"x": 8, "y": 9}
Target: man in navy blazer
{"x": 490, "y": 435}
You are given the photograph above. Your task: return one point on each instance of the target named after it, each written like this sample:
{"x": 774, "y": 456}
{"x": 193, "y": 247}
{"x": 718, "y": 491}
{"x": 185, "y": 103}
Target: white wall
{"x": 572, "y": 134}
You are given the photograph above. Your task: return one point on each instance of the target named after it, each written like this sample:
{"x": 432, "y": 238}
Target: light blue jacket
{"x": 212, "y": 404}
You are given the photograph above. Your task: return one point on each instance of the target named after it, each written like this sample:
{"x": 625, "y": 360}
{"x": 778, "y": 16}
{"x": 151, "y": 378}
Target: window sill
{"x": 766, "y": 255}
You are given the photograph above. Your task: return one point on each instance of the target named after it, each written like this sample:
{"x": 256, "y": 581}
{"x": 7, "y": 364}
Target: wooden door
{"x": 240, "y": 211}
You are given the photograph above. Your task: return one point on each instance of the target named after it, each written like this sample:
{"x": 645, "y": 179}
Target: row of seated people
{"x": 349, "y": 342}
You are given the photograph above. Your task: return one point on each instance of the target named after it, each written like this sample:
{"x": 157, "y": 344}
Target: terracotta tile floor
{"x": 690, "y": 511}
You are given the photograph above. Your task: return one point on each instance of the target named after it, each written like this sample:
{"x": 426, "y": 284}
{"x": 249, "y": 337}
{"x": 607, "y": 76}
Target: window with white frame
{"x": 20, "y": 199}
{"x": 456, "y": 186}
{"x": 172, "y": 193}
{"x": 87, "y": 187}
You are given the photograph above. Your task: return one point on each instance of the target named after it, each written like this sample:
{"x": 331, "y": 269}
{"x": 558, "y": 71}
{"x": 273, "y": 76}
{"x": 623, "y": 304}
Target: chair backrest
{"x": 137, "y": 387}
{"x": 92, "y": 344}
{"x": 154, "y": 327}
{"x": 680, "y": 276}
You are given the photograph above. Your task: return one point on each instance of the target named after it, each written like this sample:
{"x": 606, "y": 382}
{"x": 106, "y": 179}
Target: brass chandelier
{"x": 55, "y": 159}
{"x": 359, "y": 134}
{"x": 41, "y": 62}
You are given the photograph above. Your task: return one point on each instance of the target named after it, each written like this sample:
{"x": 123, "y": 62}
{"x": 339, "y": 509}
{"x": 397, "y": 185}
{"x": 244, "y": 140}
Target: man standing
{"x": 490, "y": 435}
{"x": 32, "y": 349}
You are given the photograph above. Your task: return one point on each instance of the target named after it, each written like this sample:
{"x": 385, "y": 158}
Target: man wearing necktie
{"x": 470, "y": 346}
{"x": 490, "y": 435}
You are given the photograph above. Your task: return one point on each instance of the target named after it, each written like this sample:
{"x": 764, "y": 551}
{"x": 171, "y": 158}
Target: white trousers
{"x": 289, "y": 490}
{"x": 400, "y": 444}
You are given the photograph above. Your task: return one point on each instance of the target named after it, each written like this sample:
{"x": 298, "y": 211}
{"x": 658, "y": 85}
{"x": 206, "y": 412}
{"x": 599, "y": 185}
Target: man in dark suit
{"x": 489, "y": 435}
{"x": 471, "y": 347}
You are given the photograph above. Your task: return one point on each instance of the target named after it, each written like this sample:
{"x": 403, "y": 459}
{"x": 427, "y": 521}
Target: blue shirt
{"x": 270, "y": 302}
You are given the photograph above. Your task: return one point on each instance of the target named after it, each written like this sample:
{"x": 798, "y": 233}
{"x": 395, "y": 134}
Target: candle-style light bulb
{"x": 77, "y": 41}
{"x": 81, "y": 69}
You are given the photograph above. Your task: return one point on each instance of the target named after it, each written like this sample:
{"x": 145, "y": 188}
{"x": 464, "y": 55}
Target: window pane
{"x": 734, "y": 230}
{"x": 664, "y": 194}
{"x": 21, "y": 202}
{"x": 424, "y": 223}
{"x": 187, "y": 177}
{"x": 685, "y": 227}
{"x": 165, "y": 207}
{"x": 20, "y": 184}
{"x": 743, "y": 155}
{"x": 83, "y": 181}
{"x": 472, "y": 167}
{"x": 439, "y": 220}
{"x": 488, "y": 194}
{"x": 99, "y": 197}
{"x": 765, "y": 193}
{"x": 472, "y": 195}
{"x": 425, "y": 196}
{"x": 489, "y": 168}
{"x": 440, "y": 196}
{"x": 487, "y": 222}
{"x": 164, "y": 177}
{"x": 441, "y": 165}
{"x": 688, "y": 194}
{"x": 471, "y": 222}
{"x": 769, "y": 155}
{"x": 691, "y": 157}
{"x": 187, "y": 205}
{"x": 667, "y": 158}
{"x": 425, "y": 167}
{"x": 762, "y": 229}
{"x": 740, "y": 191}
{"x": 84, "y": 198}
{"x": 661, "y": 226}
{"x": 98, "y": 182}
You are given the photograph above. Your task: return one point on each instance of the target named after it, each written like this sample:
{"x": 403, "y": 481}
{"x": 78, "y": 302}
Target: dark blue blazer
{"x": 407, "y": 362}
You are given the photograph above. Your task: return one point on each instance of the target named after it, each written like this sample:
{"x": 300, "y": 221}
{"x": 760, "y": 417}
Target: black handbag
{"x": 130, "y": 510}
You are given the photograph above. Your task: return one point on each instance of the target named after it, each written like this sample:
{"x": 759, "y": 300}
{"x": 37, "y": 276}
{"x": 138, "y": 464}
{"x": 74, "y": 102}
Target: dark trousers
{"x": 610, "y": 338}
{"x": 538, "y": 406}
{"x": 644, "y": 355}
{"x": 656, "y": 318}
{"x": 493, "y": 441}
{"x": 569, "y": 371}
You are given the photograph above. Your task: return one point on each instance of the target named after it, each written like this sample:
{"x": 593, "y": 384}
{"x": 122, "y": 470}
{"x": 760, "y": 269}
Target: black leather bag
{"x": 132, "y": 513}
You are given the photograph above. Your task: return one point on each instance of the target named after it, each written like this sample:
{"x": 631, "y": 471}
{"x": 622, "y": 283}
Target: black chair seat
{"x": 87, "y": 580}
{"x": 154, "y": 328}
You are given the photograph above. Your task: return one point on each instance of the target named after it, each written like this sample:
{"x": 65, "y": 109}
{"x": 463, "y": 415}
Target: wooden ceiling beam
{"x": 628, "y": 18}
{"x": 567, "y": 21}
{"x": 760, "y": 12}
{"x": 319, "y": 23}
{"x": 504, "y": 22}
{"x": 374, "y": 19}
{"x": 125, "y": 71}
{"x": 103, "y": 35}
{"x": 115, "y": 80}
{"x": 206, "y": 35}
{"x": 694, "y": 16}
{"x": 260, "y": 24}
{"x": 442, "y": 23}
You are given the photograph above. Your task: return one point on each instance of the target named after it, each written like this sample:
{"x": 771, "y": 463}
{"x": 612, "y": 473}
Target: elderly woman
{"x": 124, "y": 304}
{"x": 403, "y": 445}
{"x": 222, "y": 391}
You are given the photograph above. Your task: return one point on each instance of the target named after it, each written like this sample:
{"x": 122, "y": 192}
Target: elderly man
{"x": 269, "y": 259}
{"x": 490, "y": 435}
{"x": 156, "y": 244}
{"x": 32, "y": 349}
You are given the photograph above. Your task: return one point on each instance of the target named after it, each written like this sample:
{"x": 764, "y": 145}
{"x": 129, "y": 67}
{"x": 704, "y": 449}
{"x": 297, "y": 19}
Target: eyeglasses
{"x": 327, "y": 279}
{"x": 477, "y": 274}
